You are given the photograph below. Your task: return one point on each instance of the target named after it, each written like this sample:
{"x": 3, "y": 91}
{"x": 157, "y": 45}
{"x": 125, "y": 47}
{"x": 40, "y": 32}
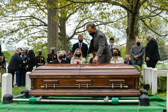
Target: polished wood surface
{"x": 85, "y": 80}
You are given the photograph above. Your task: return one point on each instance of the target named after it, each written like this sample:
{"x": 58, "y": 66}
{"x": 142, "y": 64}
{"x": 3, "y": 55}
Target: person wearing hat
{"x": 52, "y": 56}
{"x": 40, "y": 60}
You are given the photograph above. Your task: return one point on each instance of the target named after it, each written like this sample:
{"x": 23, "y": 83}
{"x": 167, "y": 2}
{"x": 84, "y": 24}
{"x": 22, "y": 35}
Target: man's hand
{"x": 136, "y": 57}
{"x": 95, "y": 59}
{"x": 0, "y": 66}
{"x": 147, "y": 58}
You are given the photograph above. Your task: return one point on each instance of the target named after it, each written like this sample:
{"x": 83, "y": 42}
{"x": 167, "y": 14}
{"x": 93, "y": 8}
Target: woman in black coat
{"x": 30, "y": 60}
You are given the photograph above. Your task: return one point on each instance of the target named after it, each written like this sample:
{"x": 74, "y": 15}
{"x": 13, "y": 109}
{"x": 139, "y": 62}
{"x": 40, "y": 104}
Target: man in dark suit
{"x": 14, "y": 64}
{"x": 152, "y": 52}
{"x": 22, "y": 69}
{"x": 81, "y": 45}
{"x": 111, "y": 46}
{"x": 100, "y": 46}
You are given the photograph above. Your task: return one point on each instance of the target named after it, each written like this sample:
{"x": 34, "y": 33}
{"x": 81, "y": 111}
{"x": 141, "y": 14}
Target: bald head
{"x": 138, "y": 40}
{"x": 149, "y": 37}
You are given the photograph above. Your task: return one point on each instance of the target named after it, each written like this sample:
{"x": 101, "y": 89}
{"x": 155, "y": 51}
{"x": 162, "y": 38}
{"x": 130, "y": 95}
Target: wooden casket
{"x": 85, "y": 80}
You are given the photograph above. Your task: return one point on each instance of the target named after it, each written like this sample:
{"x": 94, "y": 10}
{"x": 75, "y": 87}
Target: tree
{"x": 52, "y": 25}
{"x": 132, "y": 7}
{"x": 138, "y": 12}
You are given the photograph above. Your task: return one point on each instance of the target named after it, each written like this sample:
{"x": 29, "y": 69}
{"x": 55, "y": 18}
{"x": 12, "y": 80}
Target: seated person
{"x": 116, "y": 57}
{"x": 127, "y": 60}
{"x": 60, "y": 60}
{"x": 69, "y": 55}
{"x": 89, "y": 58}
{"x": 77, "y": 57}
{"x": 65, "y": 57}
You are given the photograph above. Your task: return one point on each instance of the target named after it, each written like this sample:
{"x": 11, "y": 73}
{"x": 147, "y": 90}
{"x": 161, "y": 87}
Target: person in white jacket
{"x": 77, "y": 57}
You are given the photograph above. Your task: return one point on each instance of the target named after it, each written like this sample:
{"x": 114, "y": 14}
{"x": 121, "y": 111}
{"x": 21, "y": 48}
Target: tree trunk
{"x": 63, "y": 33}
{"x": 132, "y": 29}
{"x": 52, "y": 26}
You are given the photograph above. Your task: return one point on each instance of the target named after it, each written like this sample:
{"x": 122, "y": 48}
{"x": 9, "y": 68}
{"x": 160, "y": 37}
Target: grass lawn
{"x": 15, "y": 90}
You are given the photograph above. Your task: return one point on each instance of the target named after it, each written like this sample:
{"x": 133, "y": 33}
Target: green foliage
{"x": 40, "y": 45}
{"x": 123, "y": 51}
{"x": 32, "y": 21}
{"x": 7, "y": 56}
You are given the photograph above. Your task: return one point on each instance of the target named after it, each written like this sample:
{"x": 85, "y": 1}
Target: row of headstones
{"x": 7, "y": 84}
{"x": 150, "y": 76}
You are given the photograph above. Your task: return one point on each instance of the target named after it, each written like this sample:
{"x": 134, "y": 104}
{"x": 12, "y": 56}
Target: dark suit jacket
{"x": 84, "y": 48}
{"x": 152, "y": 50}
{"x": 14, "y": 62}
{"x": 101, "y": 47}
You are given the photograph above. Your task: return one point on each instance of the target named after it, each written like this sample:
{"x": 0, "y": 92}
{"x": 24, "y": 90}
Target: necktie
{"x": 80, "y": 46}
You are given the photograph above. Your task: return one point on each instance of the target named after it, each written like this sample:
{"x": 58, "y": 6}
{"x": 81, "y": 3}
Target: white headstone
{"x": 6, "y": 84}
{"x": 154, "y": 81}
{"x": 159, "y": 67}
{"x": 28, "y": 81}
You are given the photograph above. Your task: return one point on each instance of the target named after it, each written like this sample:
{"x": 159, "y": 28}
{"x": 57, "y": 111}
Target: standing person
{"x": 81, "y": 45}
{"x": 111, "y": 42}
{"x": 22, "y": 69}
{"x": 77, "y": 57}
{"x": 69, "y": 55}
{"x": 52, "y": 56}
{"x": 30, "y": 60}
{"x": 40, "y": 60}
{"x": 137, "y": 52}
{"x": 151, "y": 53}
{"x": 14, "y": 64}
{"x": 111, "y": 46}
{"x": 26, "y": 49}
{"x": 100, "y": 46}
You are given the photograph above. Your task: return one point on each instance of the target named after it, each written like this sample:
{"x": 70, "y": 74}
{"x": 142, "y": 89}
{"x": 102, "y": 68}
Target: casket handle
{"x": 113, "y": 83}
{"x": 52, "y": 83}
{"x": 83, "y": 83}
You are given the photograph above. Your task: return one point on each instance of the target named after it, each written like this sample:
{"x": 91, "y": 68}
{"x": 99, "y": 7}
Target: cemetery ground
{"x": 157, "y": 104}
